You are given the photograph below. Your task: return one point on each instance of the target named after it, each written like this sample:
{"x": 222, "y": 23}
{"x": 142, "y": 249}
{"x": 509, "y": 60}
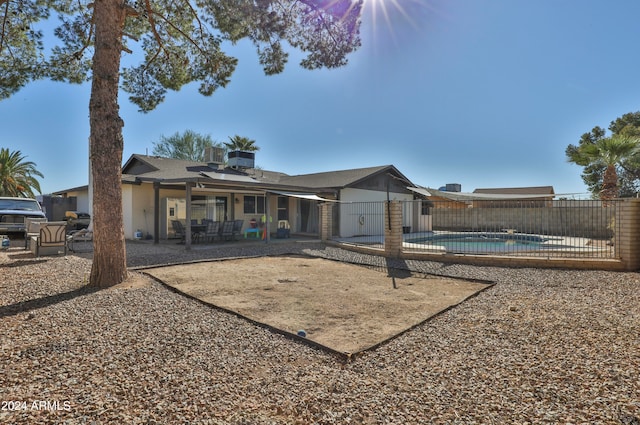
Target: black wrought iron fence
{"x": 571, "y": 228}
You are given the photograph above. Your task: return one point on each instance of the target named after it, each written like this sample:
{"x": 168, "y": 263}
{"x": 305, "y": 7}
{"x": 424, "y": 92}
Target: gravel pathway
{"x": 540, "y": 347}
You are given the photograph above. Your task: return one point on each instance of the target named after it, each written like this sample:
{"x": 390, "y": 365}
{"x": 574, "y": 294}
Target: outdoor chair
{"x": 178, "y": 230}
{"x": 31, "y": 228}
{"x": 237, "y": 228}
{"x": 227, "y": 230}
{"x": 213, "y": 230}
{"x": 52, "y": 237}
{"x": 181, "y": 232}
{"x": 80, "y": 240}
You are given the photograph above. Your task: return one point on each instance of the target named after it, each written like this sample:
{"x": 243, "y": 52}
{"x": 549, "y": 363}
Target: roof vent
{"x": 241, "y": 159}
{"x": 214, "y": 156}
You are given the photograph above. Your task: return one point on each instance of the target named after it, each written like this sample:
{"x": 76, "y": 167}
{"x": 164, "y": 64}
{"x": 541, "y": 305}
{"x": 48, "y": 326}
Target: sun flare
{"x": 394, "y": 14}
{"x": 383, "y": 8}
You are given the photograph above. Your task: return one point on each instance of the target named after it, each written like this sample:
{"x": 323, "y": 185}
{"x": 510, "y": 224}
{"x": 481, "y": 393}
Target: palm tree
{"x": 188, "y": 145}
{"x": 239, "y": 143}
{"x": 606, "y": 153}
{"x": 17, "y": 176}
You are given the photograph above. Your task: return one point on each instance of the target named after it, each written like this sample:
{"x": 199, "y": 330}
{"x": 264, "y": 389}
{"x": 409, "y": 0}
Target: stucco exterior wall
{"x": 141, "y": 210}
{"x": 361, "y": 212}
{"x": 127, "y": 210}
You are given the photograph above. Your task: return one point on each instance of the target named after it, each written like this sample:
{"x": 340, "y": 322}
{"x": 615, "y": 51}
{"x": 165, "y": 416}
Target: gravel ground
{"x": 541, "y": 346}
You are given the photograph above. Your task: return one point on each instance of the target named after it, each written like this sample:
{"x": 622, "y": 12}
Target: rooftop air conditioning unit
{"x": 241, "y": 159}
{"x": 214, "y": 156}
{"x": 453, "y": 187}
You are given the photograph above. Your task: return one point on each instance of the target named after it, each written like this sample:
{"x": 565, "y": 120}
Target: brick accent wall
{"x": 393, "y": 235}
{"x": 326, "y": 221}
{"x": 627, "y": 237}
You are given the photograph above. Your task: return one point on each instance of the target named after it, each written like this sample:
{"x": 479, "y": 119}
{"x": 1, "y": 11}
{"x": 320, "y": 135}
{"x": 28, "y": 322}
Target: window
{"x": 283, "y": 208}
{"x": 19, "y": 204}
{"x": 198, "y": 207}
{"x": 253, "y": 204}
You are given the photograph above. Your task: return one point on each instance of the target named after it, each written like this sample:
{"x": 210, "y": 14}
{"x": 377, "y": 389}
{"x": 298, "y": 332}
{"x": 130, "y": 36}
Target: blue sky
{"x": 485, "y": 93}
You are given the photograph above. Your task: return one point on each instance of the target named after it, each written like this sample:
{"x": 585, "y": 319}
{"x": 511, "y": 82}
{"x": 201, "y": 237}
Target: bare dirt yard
{"x": 345, "y": 307}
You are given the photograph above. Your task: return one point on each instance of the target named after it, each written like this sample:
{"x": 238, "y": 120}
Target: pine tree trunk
{"x": 106, "y": 145}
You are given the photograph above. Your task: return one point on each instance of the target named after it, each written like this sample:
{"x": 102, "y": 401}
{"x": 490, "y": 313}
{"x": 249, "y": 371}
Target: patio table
{"x": 197, "y": 230}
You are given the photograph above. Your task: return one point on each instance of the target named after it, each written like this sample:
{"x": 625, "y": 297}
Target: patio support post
{"x": 326, "y": 222}
{"x": 267, "y": 220}
{"x": 232, "y": 207}
{"x": 187, "y": 226}
{"x": 156, "y": 213}
{"x": 393, "y": 233}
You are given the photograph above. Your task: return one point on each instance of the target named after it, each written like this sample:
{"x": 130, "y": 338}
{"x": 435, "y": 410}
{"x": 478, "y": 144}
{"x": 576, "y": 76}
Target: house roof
{"x": 532, "y": 190}
{"x": 169, "y": 169}
{"x": 341, "y": 178}
{"x": 73, "y": 189}
{"x": 144, "y": 168}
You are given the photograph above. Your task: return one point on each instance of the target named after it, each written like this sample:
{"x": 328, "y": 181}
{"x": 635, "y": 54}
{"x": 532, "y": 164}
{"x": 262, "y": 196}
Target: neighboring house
{"x": 444, "y": 201}
{"x": 446, "y": 197}
{"x": 541, "y": 196}
{"x": 157, "y": 190}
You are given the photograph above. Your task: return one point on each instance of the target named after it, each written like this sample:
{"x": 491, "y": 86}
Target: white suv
{"x": 13, "y": 211}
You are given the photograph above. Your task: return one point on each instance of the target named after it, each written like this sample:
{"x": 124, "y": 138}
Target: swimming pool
{"x": 480, "y": 243}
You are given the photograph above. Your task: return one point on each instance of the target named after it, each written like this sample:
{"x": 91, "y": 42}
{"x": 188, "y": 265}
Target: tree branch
{"x": 152, "y": 23}
{"x": 314, "y": 6}
{"x": 4, "y": 22}
{"x": 197, "y": 17}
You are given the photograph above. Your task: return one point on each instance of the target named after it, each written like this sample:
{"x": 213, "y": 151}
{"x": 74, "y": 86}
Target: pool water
{"x": 482, "y": 243}
{"x": 485, "y": 245}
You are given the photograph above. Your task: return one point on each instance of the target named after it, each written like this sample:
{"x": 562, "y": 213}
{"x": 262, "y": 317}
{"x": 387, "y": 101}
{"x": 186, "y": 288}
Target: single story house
{"x": 540, "y": 196}
{"x": 157, "y": 190}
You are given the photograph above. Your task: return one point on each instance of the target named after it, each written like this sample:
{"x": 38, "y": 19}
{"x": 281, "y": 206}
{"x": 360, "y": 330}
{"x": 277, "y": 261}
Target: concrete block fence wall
{"x": 626, "y": 243}
{"x": 584, "y": 221}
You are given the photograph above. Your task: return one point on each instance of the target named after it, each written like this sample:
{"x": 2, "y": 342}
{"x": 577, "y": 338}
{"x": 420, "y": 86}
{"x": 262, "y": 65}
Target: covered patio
{"x": 271, "y": 215}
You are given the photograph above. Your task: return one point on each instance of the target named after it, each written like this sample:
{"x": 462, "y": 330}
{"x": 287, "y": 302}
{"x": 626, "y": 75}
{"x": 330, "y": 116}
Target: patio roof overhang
{"x": 308, "y": 196}
{"x": 244, "y": 184}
